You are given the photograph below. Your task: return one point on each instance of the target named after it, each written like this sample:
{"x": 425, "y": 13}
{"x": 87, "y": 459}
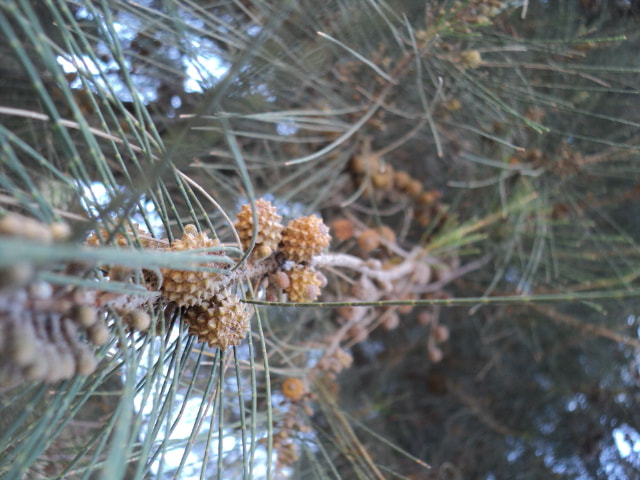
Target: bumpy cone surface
{"x": 221, "y": 322}
{"x": 305, "y": 237}
{"x": 304, "y": 285}
{"x": 187, "y": 288}
{"x": 269, "y": 228}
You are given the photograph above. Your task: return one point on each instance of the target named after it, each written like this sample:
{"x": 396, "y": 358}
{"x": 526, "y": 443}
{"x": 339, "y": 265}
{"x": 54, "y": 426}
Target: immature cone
{"x": 364, "y": 163}
{"x": 221, "y": 322}
{"x": 304, "y": 237}
{"x": 187, "y": 288}
{"x": 293, "y": 388}
{"x": 269, "y": 228}
{"x": 304, "y": 285}
{"x": 414, "y": 188}
{"x": 369, "y": 240}
{"x": 342, "y": 229}
{"x": 138, "y": 320}
{"x": 383, "y": 178}
{"x": 471, "y": 58}
{"x": 401, "y": 179}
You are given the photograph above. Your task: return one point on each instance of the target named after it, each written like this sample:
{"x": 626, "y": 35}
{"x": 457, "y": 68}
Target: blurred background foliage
{"x": 521, "y": 116}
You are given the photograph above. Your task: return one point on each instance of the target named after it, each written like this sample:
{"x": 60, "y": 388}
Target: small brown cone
{"x": 269, "y": 232}
{"x": 221, "y": 322}
{"x": 304, "y": 285}
{"x": 187, "y": 288}
{"x": 305, "y": 237}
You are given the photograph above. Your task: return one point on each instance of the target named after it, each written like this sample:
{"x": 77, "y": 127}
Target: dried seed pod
{"x": 269, "y": 231}
{"x": 383, "y": 178}
{"x": 293, "y": 389}
{"x": 84, "y": 315}
{"x": 304, "y": 237}
{"x": 342, "y": 229}
{"x": 440, "y": 333}
{"x": 98, "y": 333}
{"x": 413, "y": 188}
{"x": 280, "y": 279}
{"x": 369, "y": 240}
{"x": 138, "y": 320}
{"x": 305, "y": 285}
{"x": 401, "y": 179}
{"x": 221, "y": 322}
{"x": 361, "y": 164}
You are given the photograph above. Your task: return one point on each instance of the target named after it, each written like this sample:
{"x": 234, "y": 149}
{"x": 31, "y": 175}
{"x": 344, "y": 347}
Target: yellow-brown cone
{"x": 187, "y": 288}
{"x": 269, "y": 228}
{"x": 304, "y": 285}
{"x": 221, "y": 322}
{"x": 304, "y": 237}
